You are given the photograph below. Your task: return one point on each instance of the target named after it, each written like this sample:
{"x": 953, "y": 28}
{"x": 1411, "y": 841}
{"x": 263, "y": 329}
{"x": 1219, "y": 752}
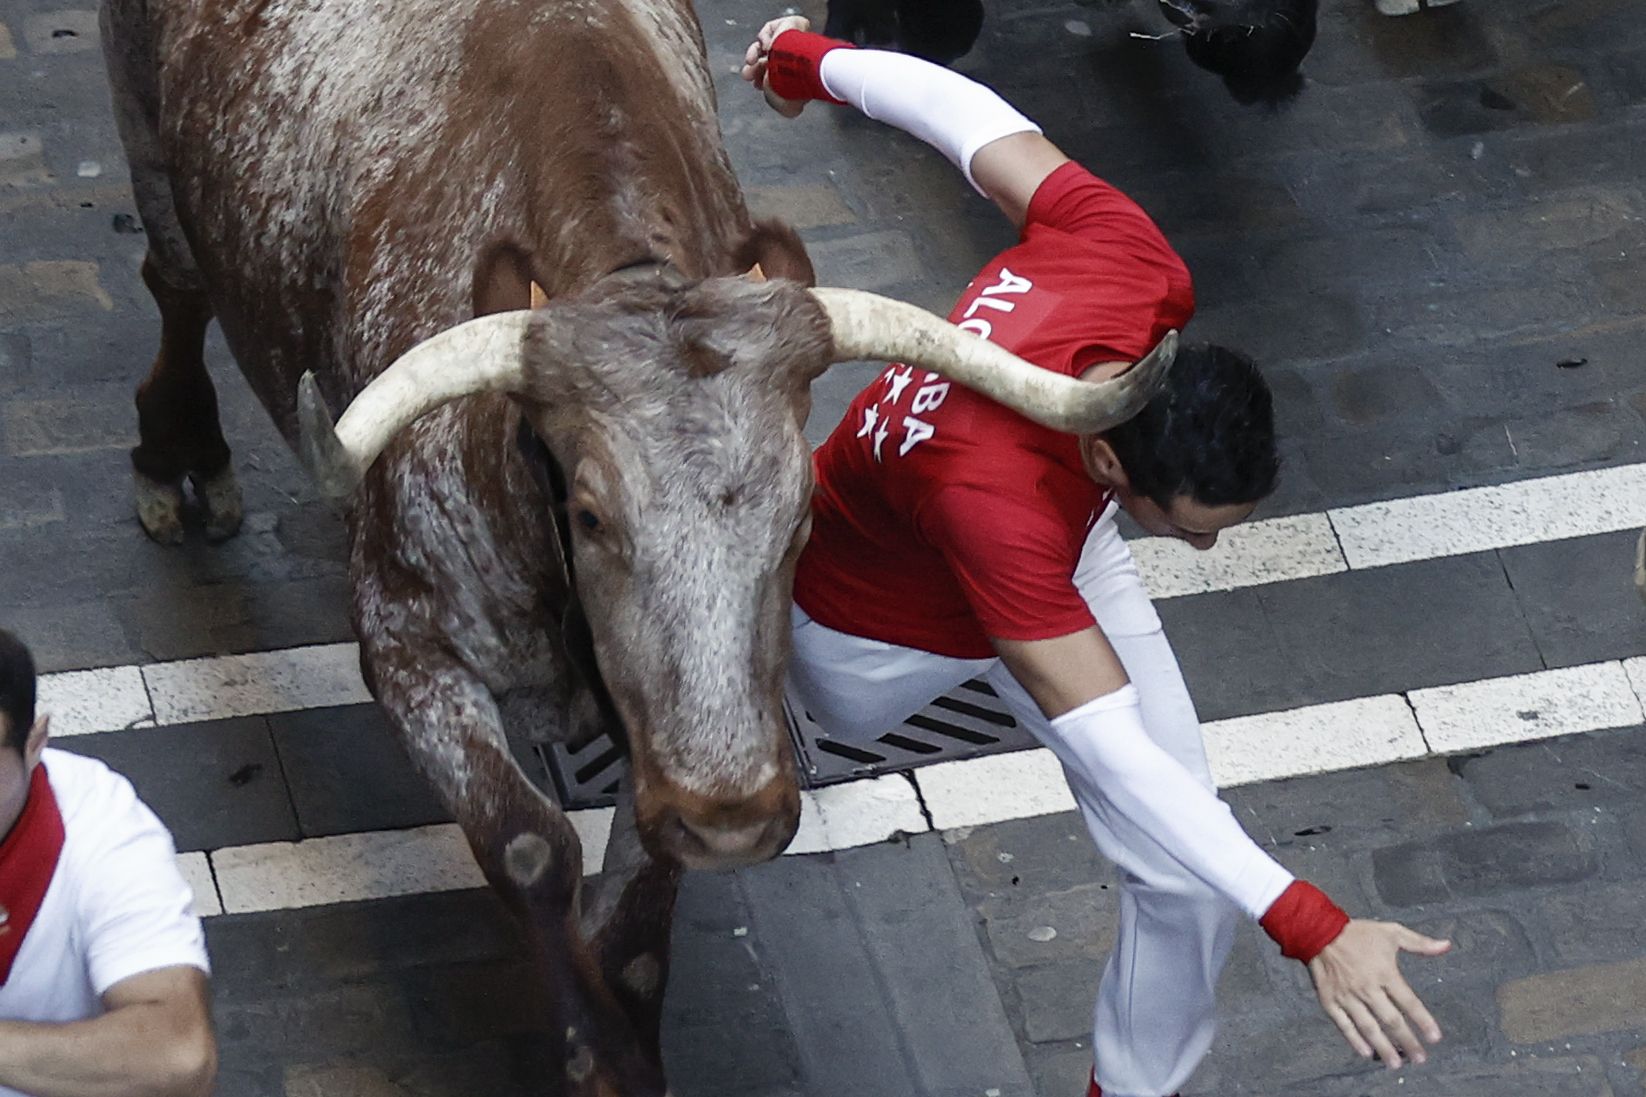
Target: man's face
{"x": 16, "y": 767}
{"x": 1187, "y": 520}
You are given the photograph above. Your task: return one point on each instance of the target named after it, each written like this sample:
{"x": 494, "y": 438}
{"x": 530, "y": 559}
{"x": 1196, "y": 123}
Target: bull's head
{"x": 675, "y": 412}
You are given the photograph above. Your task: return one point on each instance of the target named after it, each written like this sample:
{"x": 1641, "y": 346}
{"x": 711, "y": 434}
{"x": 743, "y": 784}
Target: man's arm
{"x": 1080, "y": 685}
{"x": 154, "y": 1041}
{"x": 1001, "y": 152}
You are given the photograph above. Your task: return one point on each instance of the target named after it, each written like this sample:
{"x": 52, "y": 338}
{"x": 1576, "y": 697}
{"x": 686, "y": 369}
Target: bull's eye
{"x": 588, "y": 519}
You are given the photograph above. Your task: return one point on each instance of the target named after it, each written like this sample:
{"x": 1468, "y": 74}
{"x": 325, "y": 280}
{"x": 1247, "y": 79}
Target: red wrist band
{"x": 1303, "y": 921}
{"x": 793, "y": 67}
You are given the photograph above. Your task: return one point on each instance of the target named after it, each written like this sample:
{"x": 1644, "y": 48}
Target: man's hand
{"x": 754, "y": 61}
{"x": 1361, "y": 989}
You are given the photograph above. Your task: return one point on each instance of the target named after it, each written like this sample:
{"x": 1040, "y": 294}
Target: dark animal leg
{"x": 627, "y": 914}
{"x": 451, "y": 726}
{"x": 178, "y": 429}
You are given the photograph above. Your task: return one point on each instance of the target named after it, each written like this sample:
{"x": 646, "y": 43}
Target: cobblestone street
{"x": 1435, "y": 254}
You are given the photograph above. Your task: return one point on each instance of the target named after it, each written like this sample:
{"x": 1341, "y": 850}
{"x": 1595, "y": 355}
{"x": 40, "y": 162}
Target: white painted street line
{"x": 343, "y": 869}
{"x": 85, "y": 701}
{"x": 997, "y": 788}
{"x": 859, "y": 813}
{"x": 1550, "y": 508}
{"x": 225, "y": 686}
{"x": 1541, "y": 705}
{"x": 994, "y": 788}
{"x": 196, "y": 870}
{"x": 1271, "y": 551}
{"x": 1366, "y": 731}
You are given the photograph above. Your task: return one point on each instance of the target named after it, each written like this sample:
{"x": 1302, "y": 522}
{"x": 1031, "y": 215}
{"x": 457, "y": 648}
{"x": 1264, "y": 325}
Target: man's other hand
{"x": 1361, "y": 989}
{"x": 754, "y": 62}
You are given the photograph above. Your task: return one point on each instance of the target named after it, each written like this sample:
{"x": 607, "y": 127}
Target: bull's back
{"x": 338, "y": 164}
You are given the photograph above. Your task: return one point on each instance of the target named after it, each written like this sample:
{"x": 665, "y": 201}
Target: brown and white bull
{"x": 579, "y": 518}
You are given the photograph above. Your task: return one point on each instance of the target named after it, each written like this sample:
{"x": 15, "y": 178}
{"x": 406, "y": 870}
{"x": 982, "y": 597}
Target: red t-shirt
{"x": 941, "y": 518}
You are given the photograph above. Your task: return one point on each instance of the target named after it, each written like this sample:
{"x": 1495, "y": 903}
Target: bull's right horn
{"x": 869, "y": 326}
{"x": 482, "y": 355}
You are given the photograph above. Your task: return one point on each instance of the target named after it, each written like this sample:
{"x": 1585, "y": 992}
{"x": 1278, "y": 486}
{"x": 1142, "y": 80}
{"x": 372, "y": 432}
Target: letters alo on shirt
{"x": 930, "y": 394}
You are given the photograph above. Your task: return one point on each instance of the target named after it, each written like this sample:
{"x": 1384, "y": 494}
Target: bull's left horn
{"x": 867, "y": 325}
{"x": 482, "y": 355}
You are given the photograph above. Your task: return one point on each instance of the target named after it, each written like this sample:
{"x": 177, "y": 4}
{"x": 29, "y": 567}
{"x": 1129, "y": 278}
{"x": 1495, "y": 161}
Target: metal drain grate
{"x": 966, "y": 722}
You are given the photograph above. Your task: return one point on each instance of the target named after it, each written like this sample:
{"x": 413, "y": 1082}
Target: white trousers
{"x": 1155, "y": 1012}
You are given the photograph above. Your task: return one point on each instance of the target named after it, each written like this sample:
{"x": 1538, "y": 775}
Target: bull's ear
{"x": 777, "y": 249}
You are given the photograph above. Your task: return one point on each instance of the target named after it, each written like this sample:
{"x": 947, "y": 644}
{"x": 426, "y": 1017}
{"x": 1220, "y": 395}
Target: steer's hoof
{"x": 225, "y": 510}
{"x": 159, "y": 508}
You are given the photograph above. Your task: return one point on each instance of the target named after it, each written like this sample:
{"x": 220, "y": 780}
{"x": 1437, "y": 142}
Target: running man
{"x": 953, "y": 539}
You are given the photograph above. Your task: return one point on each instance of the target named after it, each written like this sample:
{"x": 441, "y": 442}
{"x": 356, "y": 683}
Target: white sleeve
{"x": 952, "y": 113}
{"x": 136, "y": 909}
{"x": 1104, "y": 741}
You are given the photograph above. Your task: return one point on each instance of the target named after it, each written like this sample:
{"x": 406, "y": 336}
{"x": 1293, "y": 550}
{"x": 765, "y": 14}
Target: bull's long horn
{"x": 870, "y": 326}
{"x": 482, "y": 355}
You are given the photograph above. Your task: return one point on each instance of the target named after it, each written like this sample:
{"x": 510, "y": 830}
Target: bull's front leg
{"x": 450, "y": 725}
{"x": 626, "y": 918}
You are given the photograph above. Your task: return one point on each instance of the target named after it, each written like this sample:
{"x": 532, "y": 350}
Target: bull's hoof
{"x": 225, "y": 510}
{"x": 159, "y": 508}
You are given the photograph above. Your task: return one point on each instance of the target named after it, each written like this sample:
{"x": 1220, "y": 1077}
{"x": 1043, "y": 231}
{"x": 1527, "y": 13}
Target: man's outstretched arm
{"x": 154, "y": 1041}
{"x": 1001, "y": 152}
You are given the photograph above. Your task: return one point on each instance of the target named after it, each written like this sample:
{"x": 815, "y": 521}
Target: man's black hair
{"x": 1209, "y": 434}
{"x": 1255, "y": 45}
{"x": 16, "y": 690}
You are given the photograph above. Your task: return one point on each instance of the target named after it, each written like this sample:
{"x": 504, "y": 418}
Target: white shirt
{"x": 116, "y": 907}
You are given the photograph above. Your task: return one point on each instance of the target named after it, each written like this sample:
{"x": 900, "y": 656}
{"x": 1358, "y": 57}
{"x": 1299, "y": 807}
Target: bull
{"x": 577, "y": 518}
{"x": 1256, "y": 46}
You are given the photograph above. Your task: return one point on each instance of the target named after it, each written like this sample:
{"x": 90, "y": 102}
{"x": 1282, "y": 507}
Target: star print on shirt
{"x": 871, "y": 416}
{"x": 900, "y": 381}
{"x": 880, "y": 438}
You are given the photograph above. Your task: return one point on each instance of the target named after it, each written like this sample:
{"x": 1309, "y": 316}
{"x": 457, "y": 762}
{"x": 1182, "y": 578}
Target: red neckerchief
{"x": 28, "y": 858}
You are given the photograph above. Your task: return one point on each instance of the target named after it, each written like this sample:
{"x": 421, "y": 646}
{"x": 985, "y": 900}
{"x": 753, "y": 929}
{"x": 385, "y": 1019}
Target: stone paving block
{"x": 70, "y": 636}
{"x": 1532, "y": 95}
{"x": 1576, "y": 1076}
{"x": 71, "y": 30}
{"x": 1408, "y": 457}
{"x": 1025, "y": 858}
{"x": 1353, "y": 809}
{"x": 1487, "y": 946}
{"x": 1057, "y": 999}
{"x": 1351, "y": 634}
{"x": 1059, "y": 1070}
{"x": 8, "y": 49}
{"x": 1056, "y": 927}
{"x": 25, "y": 505}
{"x": 230, "y": 792}
{"x": 49, "y": 290}
{"x": 362, "y": 1019}
{"x": 455, "y": 1006}
{"x": 1230, "y": 654}
{"x": 73, "y": 424}
{"x": 1558, "y": 1005}
{"x": 1574, "y": 773}
{"x": 920, "y": 936}
{"x": 803, "y": 207}
{"x": 1484, "y": 862}
{"x": 346, "y": 772}
{"x": 1381, "y": 390}
{"x": 1579, "y": 218}
{"x": 1596, "y": 924}
{"x": 272, "y": 952}
{"x": 1579, "y": 622}
{"x": 186, "y": 622}
{"x": 874, "y": 261}
{"x": 1316, "y": 324}
{"x": 21, "y": 159}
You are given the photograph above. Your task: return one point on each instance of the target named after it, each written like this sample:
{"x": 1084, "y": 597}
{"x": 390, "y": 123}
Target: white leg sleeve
{"x": 952, "y": 113}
